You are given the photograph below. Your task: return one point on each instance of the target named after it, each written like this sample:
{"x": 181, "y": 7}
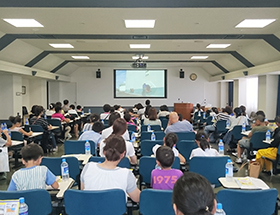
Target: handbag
{"x": 254, "y": 169}
{"x": 4, "y": 160}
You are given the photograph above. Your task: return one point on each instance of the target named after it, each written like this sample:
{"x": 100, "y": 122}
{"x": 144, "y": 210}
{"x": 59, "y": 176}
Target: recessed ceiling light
{"x": 218, "y": 46}
{"x": 130, "y": 23}
{"x": 140, "y": 46}
{"x": 137, "y": 57}
{"x": 254, "y": 23}
{"x": 24, "y": 22}
{"x": 61, "y": 45}
{"x": 199, "y": 57}
{"x": 80, "y": 57}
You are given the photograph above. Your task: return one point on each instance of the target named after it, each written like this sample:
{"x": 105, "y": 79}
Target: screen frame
{"x": 142, "y": 97}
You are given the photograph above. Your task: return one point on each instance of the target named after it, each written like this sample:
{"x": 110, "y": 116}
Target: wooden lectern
{"x": 185, "y": 109}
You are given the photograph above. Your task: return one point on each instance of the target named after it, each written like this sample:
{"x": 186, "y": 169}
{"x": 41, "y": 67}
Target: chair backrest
{"x": 257, "y": 140}
{"x": 147, "y": 135}
{"x": 38, "y": 200}
{"x": 154, "y": 202}
{"x": 54, "y": 165}
{"x": 101, "y": 202}
{"x": 37, "y": 128}
{"x": 96, "y": 159}
{"x": 153, "y": 127}
{"x": 185, "y": 136}
{"x": 147, "y": 146}
{"x": 211, "y": 168}
{"x": 236, "y": 132}
{"x": 54, "y": 122}
{"x": 78, "y": 147}
{"x": 131, "y": 128}
{"x": 15, "y": 135}
{"x": 164, "y": 122}
{"x": 243, "y": 202}
{"x": 124, "y": 163}
{"x": 209, "y": 120}
{"x": 185, "y": 148}
{"x": 27, "y": 128}
{"x": 221, "y": 126}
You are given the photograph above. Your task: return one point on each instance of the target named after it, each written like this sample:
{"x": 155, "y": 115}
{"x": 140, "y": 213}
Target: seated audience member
{"x": 92, "y": 118}
{"x": 245, "y": 142}
{"x": 204, "y": 149}
{"x": 72, "y": 111}
{"x": 108, "y": 131}
{"x": 106, "y": 175}
{"x": 16, "y": 121}
{"x": 164, "y": 159}
{"x": 170, "y": 140}
{"x": 32, "y": 114}
{"x": 128, "y": 119}
{"x": 58, "y": 115}
{"x": 7, "y": 142}
{"x": 174, "y": 125}
{"x": 152, "y": 118}
{"x": 65, "y": 106}
{"x": 193, "y": 195}
{"x": 106, "y": 114}
{"x": 198, "y": 108}
{"x": 79, "y": 110}
{"x": 271, "y": 151}
{"x": 163, "y": 111}
{"x": 132, "y": 113}
{"x": 94, "y": 134}
{"x": 119, "y": 110}
{"x": 146, "y": 112}
{"x": 119, "y": 128}
{"x": 51, "y": 110}
{"x": 33, "y": 176}
{"x": 260, "y": 112}
{"x": 243, "y": 111}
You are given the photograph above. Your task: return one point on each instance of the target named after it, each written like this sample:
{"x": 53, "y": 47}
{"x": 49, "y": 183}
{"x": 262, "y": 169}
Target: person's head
{"x": 72, "y": 107}
{"x": 259, "y": 120}
{"x": 180, "y": 117}
{"x": 119, "y": 126}
{"x": 193, "y": 195}
{"x": 198, "y": 106}
{"x": 200, "y": 135}
{"x": 260, "y": 112}
{"x": 243, "y": 110}
{"x": 32, "y": 152}
{"x": 115, "y": 147}
{"x": 277, "y": 120}
{"x": 228, "y": 110}
{"x": 51, "y": 106}
{"x": 94, "y": 117}
{"x": 237, "y": 111}
{"x": 127, "y": 117}
{"x": 147, "y": 111}
{"x": 39, "y": 110}
{"x": 173, "y": 117}
{"x": 58, "y": 104}
{"x": 113, "y": 116}
{"x": 79, "y": 107}
{"x": 97, "y": 127}
{"x": 112, "y": 110}
{"x": 215, "y": 110}
{"x": 33, "y": 109}
{"x": 116, "y": 107}
{"x": 152, "y": 114}
{"x": 106, "y": 107}
{"x": 139, "y": 106}
{"x": 65, "y": 102}
{"x": 15, "y": 120}
{"x": 163, "y": 108}
{"x": 57, "y": 109}
{"x": 165, "y": 157}
{"x": 170, "y": 139}
{"x": 147, "y": 102}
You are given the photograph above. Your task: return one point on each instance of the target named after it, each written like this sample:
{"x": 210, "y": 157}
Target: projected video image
{"x": 140, "y": 83}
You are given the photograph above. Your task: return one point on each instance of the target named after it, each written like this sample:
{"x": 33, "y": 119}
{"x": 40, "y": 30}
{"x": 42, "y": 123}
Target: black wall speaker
{"x": 245, "y": 73}
{"x": 34, "y": 73}
{"x": 182, "y": 74}
{"x": 98, "y": 73}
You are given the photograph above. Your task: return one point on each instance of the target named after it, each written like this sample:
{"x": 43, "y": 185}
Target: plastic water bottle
{"x": 227, "y": 123}
{"x": 149, "y": 128}
{"x": 267, "y": 135}
{"x": 199, "y": 113}
{"x": 9, "y": 132}
{"x": 221, "y": 147}
{"x": 64, "y": 170}
{"x": 204, "y": 115}
{"x": 220, "y": 210}
{"x": 87, "y": 148}
{"x": 153, "y": 136}
{"x": 23, "y": 208}
{"x": 243, "y": 127}
{"x": 26, "y": 122}
{"x": 2, "y": 126}
{"x": 89, "y": 110}
{"x": 102, "y": 120}
{"x": 229, "y": 170}
{"x": 133, "y": 138}
{"x": 45, "y": 116}
{"x": 83, "y": 112}
{"x": 5, "y": 126}
{"x": 213, "y": 118}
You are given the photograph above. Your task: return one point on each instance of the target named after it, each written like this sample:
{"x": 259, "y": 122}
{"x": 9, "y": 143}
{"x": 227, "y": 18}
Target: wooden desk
{"x": 257, "y": 184}
{"x": 63, "y": 186}
{"x": 81, "y": 157}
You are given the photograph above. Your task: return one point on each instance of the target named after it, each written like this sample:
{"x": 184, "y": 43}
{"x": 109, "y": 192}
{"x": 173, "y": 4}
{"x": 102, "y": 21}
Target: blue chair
{"x": 15, "y": 135}
{"x": 185, "y": 136}
{"x": 164, "y": 122}
{"x": 153, "y": 127}
{"x": 209, "y": 120}
{"x": 78, "y": 147}
{"x": 185, "y": 148}
{"x": 243, "y": 202}
{"x": 256, "y": 141}
{"x": 275, "y": 171}
{"x": 38, "y": 200}
{"x": 221, "y": 126}
{"x": 96, "y": 159}
{"x": 155, "y": 202}
{"x": 147, "y": 146}
{"x": 131, "y": 128}
{"x": 103, "y": 202}
{"x": 37, "y": 128}
{"x": 236, "y": 132}
{"x": 147, "y": 135}
{"x": 211, "y": 168}
{"x": 124, "y": 163}
{"x": 53, "y": 163}
{"x": 55, "y": 122}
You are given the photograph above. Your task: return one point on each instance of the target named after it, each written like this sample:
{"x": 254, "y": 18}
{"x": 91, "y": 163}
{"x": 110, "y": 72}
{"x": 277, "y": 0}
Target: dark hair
{"x": 116, "y": 107}
{"x": 260, "y": 112}
{"x": 130, "y": 110}
{"x": 180, "y": 117}
{"x": 113, "y": 116}
{"x": 147, "y": 102}
{"x": 112, "y": 110}
{"x": 193, "y": 194}
{"x": 237, "y": 111}
{"x": 94, "y": 117}
{"x": 260, "y": 118}
{"x": 147, "y": 111}
{"x": 277, "y": 119}
{"x": 163, "y": 108}
{"x": 79, "y": 107}
{"x": 65, "y": 102}
{"x": 57, "y": 108}
{"x": 243, "y": 110}
{"x": 228, "y": 109}
{"x": 52, "y": 105}
{"x": 215, "y": 110}
{"x": 170, "y": 139}
{"x": 33, "y": 109}
{"x": 198, "y": 106}
{"x": 15, "y": 120}
{"x": 97, "y": 126}
{"x": 127, "y": 117}
{"x": 31, "y": 151}
{"x": 58, "y": 104}
{"x": 38, "y": 110}
{"x": 106, "y": 107}
{"x": 204, "y": 144}
{"x": 115, "y": 146}
{"x": 152, "y": 114}
{"x": 72, "y": 106}
{"x": 200, "y": 134}
{"x": 165, "y": 156}
{"x": 139, "y": 106}
{"x": 119, "y": 126}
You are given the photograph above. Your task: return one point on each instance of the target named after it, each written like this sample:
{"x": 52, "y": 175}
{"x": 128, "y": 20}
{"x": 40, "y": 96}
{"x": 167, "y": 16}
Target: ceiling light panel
{"x": 254, "y": 23}
{"x": 61, "y": 45}
{"x": 218, "y": 46}
{"x": 24, "y": 23}
{"x": 199, "y": 57}
{"x": 129, "y": 23}
{"x": 140, "y": 46}
{"x": 80, "y": 57}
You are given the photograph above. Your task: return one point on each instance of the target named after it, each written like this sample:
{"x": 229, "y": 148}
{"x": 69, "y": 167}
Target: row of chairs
{"x": 152, "y": 202}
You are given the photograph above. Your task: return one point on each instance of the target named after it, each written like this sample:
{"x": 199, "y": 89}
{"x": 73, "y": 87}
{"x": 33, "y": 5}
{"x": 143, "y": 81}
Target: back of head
{"x": 33, "y": 109}
{"x": 277, "y": 119}
{"x": 97, "y": 126}
{"x": 243, "y": 110}
{"x": 113, "y": 116}
{"x": 72, "y": 106}
{"x": 38, "y": 110}
{"x": 116, "y": 107}
{"x": 147, "y": 111}
{"x": 260, "y": 118}
{"x": 215, "y": 110}
{"x": 139, "y": 106}
{"x": 66, "y": 102}
{"x": 204, "y": 144}
{"x": 260, "y": 112}
{"x": 79, "y": 107}
{"x": 57, "y": 108}
{"x": 147, "y": 102}
{"x": 228, "y": 110}
{"x": 52, "y": 105}
{"x": 200, "y": 134}
{"x": 127, "y": 117}
{"x": 193, "y": 195}
{"x": 58, "y": 104}
{"x": 165, "y": 156}
{"x": 119, "y": 126}
{"x": 237, "y": 112}
{"x": 31, "y": 151}
{"x": 173, "y": 117}
{"x": 115, "y": 146}
{"x": 152, "y": 114}
{"x": 15, "y": 120}
{"x": 106, "y": 107}
{"x": 198, "y": 106}
{"x": 170, "y": 139}
{"x": 163, "y": 108}
{"x": 94, "y": 117}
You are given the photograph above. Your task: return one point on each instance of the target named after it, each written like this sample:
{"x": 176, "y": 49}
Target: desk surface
{"x": 63, "y": 186}
{"x": 16, "y": 142}
{"x": 257, "y": 184}
{"x": 246, "y": 133}
{"x": 35, "y": 134}
{"x": 81, "y": 157}
{"x": 268, "y": 142}
{"x": 54, "y": 127}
